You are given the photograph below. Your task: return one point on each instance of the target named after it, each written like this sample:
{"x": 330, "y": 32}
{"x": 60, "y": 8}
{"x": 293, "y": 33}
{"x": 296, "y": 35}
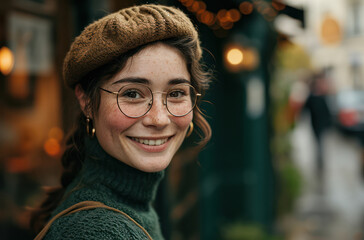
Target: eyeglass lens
{"x": 135, "y": 100}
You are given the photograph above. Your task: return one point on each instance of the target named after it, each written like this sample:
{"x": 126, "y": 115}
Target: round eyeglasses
{"x": 135, "y": 99}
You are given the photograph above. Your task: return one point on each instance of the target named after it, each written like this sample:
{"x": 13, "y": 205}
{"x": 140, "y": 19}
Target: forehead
{"x": 156, "y": 63}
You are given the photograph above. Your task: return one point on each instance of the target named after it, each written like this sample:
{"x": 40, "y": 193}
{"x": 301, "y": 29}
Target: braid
{"x": 72, "y": 162}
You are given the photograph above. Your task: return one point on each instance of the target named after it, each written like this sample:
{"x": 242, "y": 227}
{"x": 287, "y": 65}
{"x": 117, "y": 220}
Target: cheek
{"x": 120, "y": 123}
{"x": 113, "y": 120}
{"x": 183, "y": 122}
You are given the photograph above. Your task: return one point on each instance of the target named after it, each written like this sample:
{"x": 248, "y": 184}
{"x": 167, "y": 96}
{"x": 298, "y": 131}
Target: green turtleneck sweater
{"x": 117, "y": 185}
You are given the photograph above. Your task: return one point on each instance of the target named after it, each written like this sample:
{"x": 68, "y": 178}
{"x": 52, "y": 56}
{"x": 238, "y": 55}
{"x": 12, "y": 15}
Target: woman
{"x": 137, "y": 78}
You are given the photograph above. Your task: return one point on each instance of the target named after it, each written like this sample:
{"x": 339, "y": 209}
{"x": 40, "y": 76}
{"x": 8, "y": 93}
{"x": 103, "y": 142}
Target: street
{"x": 335, "y": 211}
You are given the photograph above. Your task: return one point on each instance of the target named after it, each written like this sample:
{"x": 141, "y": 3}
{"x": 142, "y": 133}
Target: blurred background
{"x": 286, "y": 107}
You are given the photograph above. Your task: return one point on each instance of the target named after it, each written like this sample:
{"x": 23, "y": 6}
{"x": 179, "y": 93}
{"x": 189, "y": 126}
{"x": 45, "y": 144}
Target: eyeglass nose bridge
{"x": 164, "y": 98}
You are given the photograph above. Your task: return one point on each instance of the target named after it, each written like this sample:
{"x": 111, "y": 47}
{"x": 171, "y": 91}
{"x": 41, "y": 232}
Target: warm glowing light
{"x": 195, "y": 7}
{"x": 246, "y": 8}
{"x": 251, "y": 59}
{"x": 238, "y": 58}
{"x": 208, "y": 18}
{"x": 56, "y": 133}
{"x": 222, "y": 15}
{"x": 234, "y": 15}
{"x": 6, "y": 60}
{"x": 234, "y": 56}
{"x": 227, "y": 25}
{"x": 202, "y": 6}
{"x": 52, "y": 147}
{"x": 187, "y": 3}
{"x": 269, "y": 13}
{"x": 225, "y": 19}
{"x": 278, "y": 5}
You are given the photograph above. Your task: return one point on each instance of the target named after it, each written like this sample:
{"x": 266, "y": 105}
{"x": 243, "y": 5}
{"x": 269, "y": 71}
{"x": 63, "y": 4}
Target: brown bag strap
{"x": 85, "y": 205}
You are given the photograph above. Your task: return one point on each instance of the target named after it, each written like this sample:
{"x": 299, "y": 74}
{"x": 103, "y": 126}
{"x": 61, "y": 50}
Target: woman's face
{"x": 147, "y": 143}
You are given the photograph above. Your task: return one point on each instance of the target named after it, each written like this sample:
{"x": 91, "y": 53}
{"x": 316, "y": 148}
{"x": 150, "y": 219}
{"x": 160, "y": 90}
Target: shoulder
{"x": 94, "y": 224}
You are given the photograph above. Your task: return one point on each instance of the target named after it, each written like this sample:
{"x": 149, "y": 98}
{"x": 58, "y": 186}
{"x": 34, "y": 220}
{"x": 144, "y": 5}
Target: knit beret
{"x": 115, "y": 34}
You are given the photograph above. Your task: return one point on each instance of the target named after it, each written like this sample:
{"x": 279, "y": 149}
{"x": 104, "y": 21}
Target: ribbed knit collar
{"x": 128, "y": 183}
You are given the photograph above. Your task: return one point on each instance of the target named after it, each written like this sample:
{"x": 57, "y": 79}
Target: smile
{"x": 151, "y": 142}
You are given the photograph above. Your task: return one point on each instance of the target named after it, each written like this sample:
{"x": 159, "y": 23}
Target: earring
{"x": 190, "y": 130}
{"x": 90, "y": 130}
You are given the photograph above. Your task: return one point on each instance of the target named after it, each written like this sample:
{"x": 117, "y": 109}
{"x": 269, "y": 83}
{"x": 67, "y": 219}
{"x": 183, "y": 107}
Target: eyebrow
{"x": 132, "y": 80}
{"x": 147, "y": 82}
{"x": 177, "y": 81}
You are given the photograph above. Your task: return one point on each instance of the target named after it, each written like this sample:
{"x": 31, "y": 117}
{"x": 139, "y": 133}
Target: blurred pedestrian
{"x": 321, "y": 119}
{"x": 138, "y": 79}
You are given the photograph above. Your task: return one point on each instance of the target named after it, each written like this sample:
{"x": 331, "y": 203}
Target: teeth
{"x": 151, "y": 142}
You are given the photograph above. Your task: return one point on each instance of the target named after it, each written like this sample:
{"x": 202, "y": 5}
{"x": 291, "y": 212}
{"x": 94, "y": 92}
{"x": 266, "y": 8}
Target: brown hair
{"x": 73, "y": 156}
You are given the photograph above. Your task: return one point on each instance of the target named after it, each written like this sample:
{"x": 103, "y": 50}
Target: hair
{"x": 72, "y": 158}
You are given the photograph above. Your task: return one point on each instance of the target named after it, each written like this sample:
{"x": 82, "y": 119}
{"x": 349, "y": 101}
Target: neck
{"x": 127, "y": 183}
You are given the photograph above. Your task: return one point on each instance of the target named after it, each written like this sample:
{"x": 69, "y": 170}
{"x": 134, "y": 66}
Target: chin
{"x": 153, "y": 165}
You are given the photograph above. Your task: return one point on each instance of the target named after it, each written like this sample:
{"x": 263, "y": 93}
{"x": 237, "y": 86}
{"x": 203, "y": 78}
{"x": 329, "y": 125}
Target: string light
{"x": 207, "y": 18}
{"x": 225, "y": 19}
{"x": 246, "y": 8}
{"x": 234, "y": 15}
{"x": 278, "y": 5}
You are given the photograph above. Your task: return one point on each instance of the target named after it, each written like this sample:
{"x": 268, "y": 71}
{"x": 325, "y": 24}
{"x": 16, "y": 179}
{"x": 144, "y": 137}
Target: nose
{"x": 158, "y": 116}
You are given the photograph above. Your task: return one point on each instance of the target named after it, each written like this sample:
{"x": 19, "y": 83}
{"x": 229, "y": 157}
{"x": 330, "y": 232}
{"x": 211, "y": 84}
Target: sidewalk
{"x": 336, "y": 212}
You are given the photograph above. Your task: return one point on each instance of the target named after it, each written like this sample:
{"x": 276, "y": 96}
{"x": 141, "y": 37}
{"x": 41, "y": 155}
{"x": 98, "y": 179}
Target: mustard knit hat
{"x": 119, "y": 32}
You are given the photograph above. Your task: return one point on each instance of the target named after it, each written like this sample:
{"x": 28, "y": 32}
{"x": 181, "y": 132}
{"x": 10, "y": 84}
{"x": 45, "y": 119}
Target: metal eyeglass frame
{"x": 152, "y": 100}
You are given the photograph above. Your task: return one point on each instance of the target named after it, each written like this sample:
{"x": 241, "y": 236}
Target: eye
{"x": 131, "y": 93}
{"x": 177, "y": 93}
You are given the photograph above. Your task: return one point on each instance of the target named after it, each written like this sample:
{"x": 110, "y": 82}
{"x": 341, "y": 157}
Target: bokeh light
{"x": 234, "y": 15}
{"x": 6, "y": 60}
{"x": 56, "y": 133}
{"x": 234, "y": 56}
{"x": 251, "y": 59}
{"x": 246, "y": 8}
{"x": 52, "y": 147}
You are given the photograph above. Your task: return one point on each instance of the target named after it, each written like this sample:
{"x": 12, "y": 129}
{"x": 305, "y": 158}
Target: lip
{"x": 150, "y": 148}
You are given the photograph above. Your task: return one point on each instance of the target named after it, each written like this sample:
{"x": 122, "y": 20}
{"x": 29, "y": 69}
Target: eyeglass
{"x": 135, "y": 100}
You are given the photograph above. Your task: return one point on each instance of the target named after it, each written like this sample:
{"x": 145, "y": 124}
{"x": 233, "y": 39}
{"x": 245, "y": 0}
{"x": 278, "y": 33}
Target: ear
{"x": 82, "y": 99}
